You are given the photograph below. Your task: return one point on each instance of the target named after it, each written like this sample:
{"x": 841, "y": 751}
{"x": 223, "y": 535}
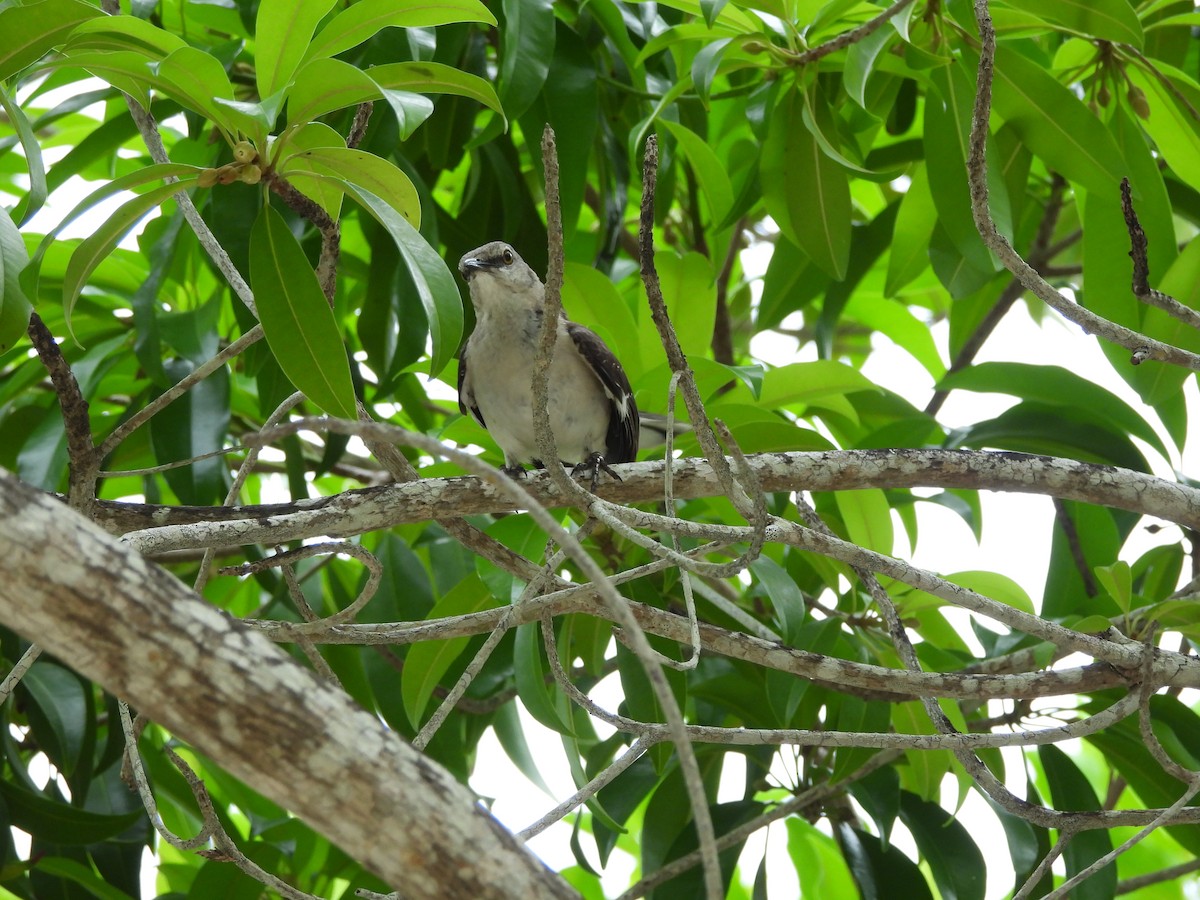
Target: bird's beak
{"x": 469, "y": 265}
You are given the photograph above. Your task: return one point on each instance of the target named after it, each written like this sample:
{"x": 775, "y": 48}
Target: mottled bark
{"x": 232, "y": 694}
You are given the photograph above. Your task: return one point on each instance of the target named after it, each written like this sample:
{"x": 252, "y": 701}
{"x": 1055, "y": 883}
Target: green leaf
{"x": 196, "y": 423}
{"x": 786, "y": 597}
{"x": 591, "y": 299}
{"x": 434, "y": 78}
{"x": 197, "y": 80}
{"x": 995, "y": 585}
{"x": 32, "y": 29}
{"x": 432, "y": 279}
{"x": 323, "y": 85}
{"x": 36, "y": 196}
{"x": 1172, "y": 125}
{"x": 819, "y": 863}
{"x": 690, "y": 291}
{"x": 1109, "y": 20}
{"x": 365, "y": 19}
{"x": 809, "y": 381}
{"x": 58, "y": 823}
{"x": 364, "y": 170}
{"x": 881, "y": 871}
{"x": 510, "y": 733}
{"x": 1055, "y": 124}
{"x": 124, "y": 33}
{"x": 955, "y": 860}
{"x": 1117, "y": 579}
{"x": 805, "y": 191}
{"x": 711, "y": 9}
{"x": 427, "y": 662}
{"x": 710, "y": 171}
{"x": 14, "y": 304}
{"x": 283, "y": 32}
{"x": 1070, "y": 789}
{"x": 296, "y": 318}
{"x": 77, "y": 872}
{"x": 1053, "y": 430}
{"x": 325, "y": 189}
{"x": 526, "y": 48}
{"x": 531, "y": 670}
{"x": 1055, "y": 386}
{"x": 62, "y": 706}
{"x": 946, "y": 126}
{"x": 868, "y": 518}
{"x": 909, "y": 253}
{"x": 100, "y": 243}
{"x": 705, "y": 66}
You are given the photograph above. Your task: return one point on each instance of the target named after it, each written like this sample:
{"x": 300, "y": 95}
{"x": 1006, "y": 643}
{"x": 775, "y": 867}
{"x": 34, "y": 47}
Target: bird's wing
{"x": 622, "y": 437}
{"x": 466, "y": 390}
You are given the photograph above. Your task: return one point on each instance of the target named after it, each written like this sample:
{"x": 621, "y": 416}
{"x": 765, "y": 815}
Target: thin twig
{"x": 1140, "y": 346}
{"x": 1141, "y": 266}
{"x": 81, "y": 449}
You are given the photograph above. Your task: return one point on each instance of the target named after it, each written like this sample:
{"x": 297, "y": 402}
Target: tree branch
{"x": 139, "y": 633}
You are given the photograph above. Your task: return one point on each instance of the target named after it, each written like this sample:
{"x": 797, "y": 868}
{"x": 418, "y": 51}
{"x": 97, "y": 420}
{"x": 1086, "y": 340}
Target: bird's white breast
{"x": 501, "y": 353}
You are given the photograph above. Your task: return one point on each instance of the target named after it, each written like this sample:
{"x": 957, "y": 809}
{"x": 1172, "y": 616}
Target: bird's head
{"x": 497, "y": 267}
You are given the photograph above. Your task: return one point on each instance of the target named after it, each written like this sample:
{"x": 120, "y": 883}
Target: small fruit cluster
{"x": 244, "y": 168}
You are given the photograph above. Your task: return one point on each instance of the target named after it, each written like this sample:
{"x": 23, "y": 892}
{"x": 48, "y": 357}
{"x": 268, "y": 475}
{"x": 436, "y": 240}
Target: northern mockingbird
{"x": 592, "y": 411}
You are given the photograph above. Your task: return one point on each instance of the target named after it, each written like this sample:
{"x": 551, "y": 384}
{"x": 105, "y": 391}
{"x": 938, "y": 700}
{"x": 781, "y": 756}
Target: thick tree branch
{"x": 139, "y": 633}
{"x": 157, "y": 529}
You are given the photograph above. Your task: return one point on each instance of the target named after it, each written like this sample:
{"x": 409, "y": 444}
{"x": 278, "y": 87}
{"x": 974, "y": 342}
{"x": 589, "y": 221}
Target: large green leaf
{"x": 526, "y": 48}
{"x": 434, "y": 78}
{"x": 1110, "y": 20}
{"x": 58, "y": 823}
{"x": 1070, "y": 790}
{"x": 881, "y": 871}
{"x": 323, "y": 85}
{"x": 63, "y": 725}
{"x": 954, "y": 858}
{"x": 1055, "y": 124}
{"x": 364, "y": 19}
{"x": 38, "y": 186}
{"x": 363, "y": 169}
{"x": 908, "y": 255}
{"x": 946, "y": 126}
{"x": 710, "y": 172}
{"x": 805, "y": 191}
{"x": 427, "y": 662}
{"x": 868, "y": 518}
{"x": 296, "y": 318}
{"x": 1054, "y": 386}
{"x": 124, "y": 33}
{"x": 282, "y": 35}
{"x": 32, "y": 29}
{"x": 14, "y": 304}
{"x": 1171, "y": 123}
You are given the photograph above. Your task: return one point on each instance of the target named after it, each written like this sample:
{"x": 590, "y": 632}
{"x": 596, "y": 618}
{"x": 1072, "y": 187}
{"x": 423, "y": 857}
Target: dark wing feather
{"x": 466, "y": 398}
{"x": 622, "y": 438}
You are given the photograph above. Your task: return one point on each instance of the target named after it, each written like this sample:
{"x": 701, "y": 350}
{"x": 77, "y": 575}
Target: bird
{"x": 593, "y": 414}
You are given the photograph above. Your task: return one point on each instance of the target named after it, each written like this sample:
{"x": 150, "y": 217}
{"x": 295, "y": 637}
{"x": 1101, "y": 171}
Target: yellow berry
{"x": 243, "y": 151}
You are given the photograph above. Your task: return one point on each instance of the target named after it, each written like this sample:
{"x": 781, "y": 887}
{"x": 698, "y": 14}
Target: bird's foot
{"x": 595, "y": 464}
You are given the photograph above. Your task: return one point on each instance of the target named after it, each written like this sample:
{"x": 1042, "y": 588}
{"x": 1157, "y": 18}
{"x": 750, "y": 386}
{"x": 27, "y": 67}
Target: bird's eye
{"x": 508, "y": 257}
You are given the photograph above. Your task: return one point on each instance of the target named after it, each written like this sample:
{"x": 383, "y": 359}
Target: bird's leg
{"x": 595, "y": 463}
